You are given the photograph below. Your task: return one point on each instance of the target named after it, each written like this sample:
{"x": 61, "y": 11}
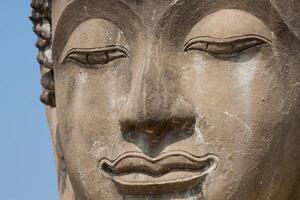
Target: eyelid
{"x": 236, "y": 41}
{"x": 98, "y": 50}
{"x": 96, "y": 57}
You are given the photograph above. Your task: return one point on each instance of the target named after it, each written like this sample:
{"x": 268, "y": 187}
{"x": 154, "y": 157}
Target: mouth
{"x": 135, "y": 173}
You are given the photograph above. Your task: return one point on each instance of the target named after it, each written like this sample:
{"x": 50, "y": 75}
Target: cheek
{"x": 239, "y": 106}
{"x": 233, "y": 97}
{"x": 89, "y": 99}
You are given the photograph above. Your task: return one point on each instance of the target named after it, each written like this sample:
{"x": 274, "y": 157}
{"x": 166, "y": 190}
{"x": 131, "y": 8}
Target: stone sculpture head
{"x": 172, "y": 99}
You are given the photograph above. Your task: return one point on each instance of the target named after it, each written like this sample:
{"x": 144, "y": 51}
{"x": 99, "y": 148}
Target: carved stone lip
{"x": 136, "y": 173}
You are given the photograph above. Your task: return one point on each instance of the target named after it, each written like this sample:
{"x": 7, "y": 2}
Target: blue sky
{"x": 27, "y": 169}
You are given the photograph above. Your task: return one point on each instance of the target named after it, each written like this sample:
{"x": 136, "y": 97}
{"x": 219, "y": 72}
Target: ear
{"x": 47, "y": 81}
{"x": 41, "y": 19}
{"x": 66, "y": 191}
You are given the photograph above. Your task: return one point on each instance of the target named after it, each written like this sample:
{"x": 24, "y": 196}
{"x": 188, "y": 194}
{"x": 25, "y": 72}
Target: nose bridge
{"x": 154, "y": 98}
{"x": 151, "y": 97}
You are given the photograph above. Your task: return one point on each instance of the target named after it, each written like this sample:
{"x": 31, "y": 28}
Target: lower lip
{"x": 176, "y": 181}
{"x": 141, "y": 184}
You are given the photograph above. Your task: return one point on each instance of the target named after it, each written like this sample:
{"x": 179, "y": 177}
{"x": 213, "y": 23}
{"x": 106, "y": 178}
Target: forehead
{"x": 149, "y": 11}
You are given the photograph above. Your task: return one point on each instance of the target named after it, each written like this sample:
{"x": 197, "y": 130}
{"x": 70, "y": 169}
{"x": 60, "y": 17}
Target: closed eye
{"x": 95, "y": 57}
{"x": 225, "y": 46}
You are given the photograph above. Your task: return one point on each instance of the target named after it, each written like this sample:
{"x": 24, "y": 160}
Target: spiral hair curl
{"x": 41, "y": 19}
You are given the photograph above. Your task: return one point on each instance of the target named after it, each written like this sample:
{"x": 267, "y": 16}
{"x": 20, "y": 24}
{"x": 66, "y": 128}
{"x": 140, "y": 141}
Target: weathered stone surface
{"x": 172, "y": 99}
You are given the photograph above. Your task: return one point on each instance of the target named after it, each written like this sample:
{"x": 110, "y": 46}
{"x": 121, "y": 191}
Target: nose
{"x": 155, "y": 104}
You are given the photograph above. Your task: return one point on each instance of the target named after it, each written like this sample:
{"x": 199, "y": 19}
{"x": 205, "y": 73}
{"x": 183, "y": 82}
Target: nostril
{"x": 149, "y": 128}
{"x": 154, "y": 130}
{"x": 175, "y": 121}
{"x": 126, "y": 127}
{"x": 183, "y": 122}
{"x": 152, "y": 137}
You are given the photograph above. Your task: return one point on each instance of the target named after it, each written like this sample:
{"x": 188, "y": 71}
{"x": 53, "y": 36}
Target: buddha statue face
{"x": 175, "y": 99}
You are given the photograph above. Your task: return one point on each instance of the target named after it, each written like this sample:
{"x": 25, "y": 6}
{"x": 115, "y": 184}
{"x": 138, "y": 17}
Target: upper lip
{"x": 159, "y": 170}
{"x": 134, "y": 162}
